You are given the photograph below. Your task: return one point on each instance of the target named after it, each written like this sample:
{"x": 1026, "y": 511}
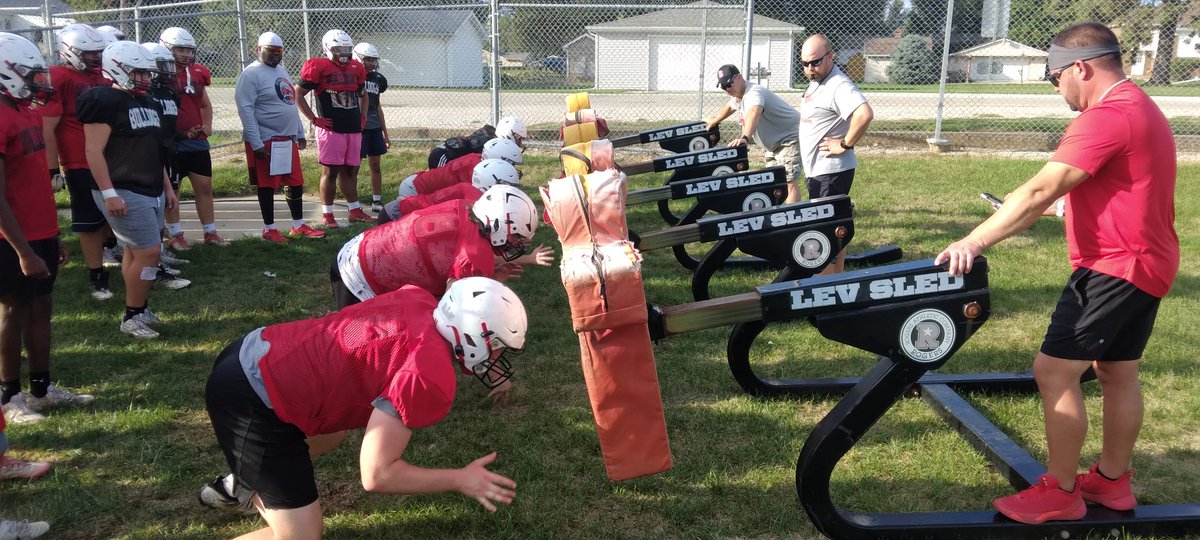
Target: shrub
{"x": 1183, "y": 69}
{"x": 913, "y": 63}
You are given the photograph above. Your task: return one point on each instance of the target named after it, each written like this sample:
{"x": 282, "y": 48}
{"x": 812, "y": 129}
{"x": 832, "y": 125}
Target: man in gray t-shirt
{"x": 834, "y": 116}
{"x": 764, "y": 117}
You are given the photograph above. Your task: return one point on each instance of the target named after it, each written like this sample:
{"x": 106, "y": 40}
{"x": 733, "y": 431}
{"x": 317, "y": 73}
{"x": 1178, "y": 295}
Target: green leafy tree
{"x": 913, "y": 62}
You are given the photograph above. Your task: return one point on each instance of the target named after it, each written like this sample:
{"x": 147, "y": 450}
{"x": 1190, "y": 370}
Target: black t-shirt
{"x": 376, "y": 84}
{"x": 133, "y": 152}
{"x": 168, "y": 103}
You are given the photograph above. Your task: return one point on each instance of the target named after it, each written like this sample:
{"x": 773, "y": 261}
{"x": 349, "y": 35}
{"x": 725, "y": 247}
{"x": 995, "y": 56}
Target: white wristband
{"x": 109, "y": 193}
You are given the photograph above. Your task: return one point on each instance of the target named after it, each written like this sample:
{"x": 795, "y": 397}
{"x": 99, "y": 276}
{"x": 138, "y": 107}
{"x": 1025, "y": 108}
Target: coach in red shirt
{"x": 1116, "y": 165}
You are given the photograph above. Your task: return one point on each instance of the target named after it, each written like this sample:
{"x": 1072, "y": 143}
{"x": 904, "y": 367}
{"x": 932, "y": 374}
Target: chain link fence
{"x": 455, "y": 65}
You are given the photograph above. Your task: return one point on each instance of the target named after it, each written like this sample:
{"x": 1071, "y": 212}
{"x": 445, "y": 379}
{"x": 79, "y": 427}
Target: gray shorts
{"x": 788, "y": 155}
{"x": 141, "y": 227}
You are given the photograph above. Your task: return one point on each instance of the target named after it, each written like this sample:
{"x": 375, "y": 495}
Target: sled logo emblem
{"x": 811, "y": 249}
{"x": 927, "y": 336}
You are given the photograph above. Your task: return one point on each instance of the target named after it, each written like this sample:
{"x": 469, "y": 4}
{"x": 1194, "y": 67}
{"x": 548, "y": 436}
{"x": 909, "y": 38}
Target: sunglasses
{"x": 814, "y": 63}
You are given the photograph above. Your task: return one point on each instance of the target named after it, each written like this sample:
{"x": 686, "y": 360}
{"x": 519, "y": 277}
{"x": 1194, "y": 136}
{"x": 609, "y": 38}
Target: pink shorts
{"x": 338, "y": 148}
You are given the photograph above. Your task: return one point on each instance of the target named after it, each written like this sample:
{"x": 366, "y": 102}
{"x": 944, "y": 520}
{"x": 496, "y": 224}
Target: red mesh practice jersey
{"x": 425, "y": 248}
{"x": 322, "y": 374}
{"x": 336, "y": 87}
{"x": 465, "y": 192}
{"x": 457, "y": 171}
{"x": 189, "y": 103}
{"x": 70, "y": 83}
{"x": 26, "y": 183}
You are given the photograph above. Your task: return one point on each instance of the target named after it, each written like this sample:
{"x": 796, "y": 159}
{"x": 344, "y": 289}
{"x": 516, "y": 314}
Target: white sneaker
{"x": 15, "y": 469}
{"x": 216, "y": 495}
{"x": 57, "y": 396}
{"x": 18, "y": 411}
{"x": 137, "y": 328}
{"x": 164, "y": 268}
{"x": 376, "y": 207}
{"x": 149, "y": 316}
{"x": 110, "y": 258}
{"x": 169, "y": 258}
{"x": 21, "y": 530}
{"x": 165, "y": 280}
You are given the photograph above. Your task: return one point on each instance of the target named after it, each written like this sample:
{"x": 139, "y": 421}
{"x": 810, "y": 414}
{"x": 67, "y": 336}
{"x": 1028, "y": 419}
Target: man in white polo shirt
{"x": 764, "y": 117}
{"x": 834, "y": 116}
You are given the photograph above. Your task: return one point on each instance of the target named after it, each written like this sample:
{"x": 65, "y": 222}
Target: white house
{"x": 1000, "y": 60}
{"x": 428, "y": 48}
{"x": 1187, "y": 45}
{"x": 663, "y": 50}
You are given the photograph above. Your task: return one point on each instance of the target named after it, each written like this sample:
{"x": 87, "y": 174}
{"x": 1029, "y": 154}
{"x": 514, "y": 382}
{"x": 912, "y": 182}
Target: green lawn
{"x": 997, "y": 88}
{"x": 128, "y": 465}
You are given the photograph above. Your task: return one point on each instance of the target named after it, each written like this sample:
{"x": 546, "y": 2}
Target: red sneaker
{"x": 273, "y": 236}
{"x": 1043, "y": 501}
{"x": 214, "y": 239}
{"x": 357, "y": 214}
{"x": 329, "y": 222}
{"x": 179, "y": 243}
{"x": 307, "y": 232}
{"x": 1115, "y": 494}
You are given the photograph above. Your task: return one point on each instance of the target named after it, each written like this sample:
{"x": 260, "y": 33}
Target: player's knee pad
{"x": 408, "y": 187}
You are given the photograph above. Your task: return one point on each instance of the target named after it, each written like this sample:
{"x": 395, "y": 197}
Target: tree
{"x": 913, "y": 62}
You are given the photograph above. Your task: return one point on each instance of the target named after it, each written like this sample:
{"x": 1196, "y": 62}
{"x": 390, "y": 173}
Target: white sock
{"x": 297, "y": 223}
{"x": 209, "y": 228}
{"x": 376, "y": 198}
{"x": 269, "y": 226}
{"x": 354, "y": 205}
{"x": 175, "y": 229}
{"x": 228, "y": 483}
{"x": 327, "y": 208}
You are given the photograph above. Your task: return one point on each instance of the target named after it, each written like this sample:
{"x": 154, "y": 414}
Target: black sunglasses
{"x": 814, "y": 63}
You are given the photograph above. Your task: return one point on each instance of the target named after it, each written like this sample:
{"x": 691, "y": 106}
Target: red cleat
{"x": 328, "y": 221}
{"x": 273, "y": 236}
{"x": 357, "y": 214}
{"x": 307, "y": 232}
{"x": 1114, "y": 494}
{"x": 1043, "y": 501}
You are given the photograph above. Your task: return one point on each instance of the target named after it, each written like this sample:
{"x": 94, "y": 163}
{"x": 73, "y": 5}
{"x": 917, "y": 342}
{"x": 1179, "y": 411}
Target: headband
{"x": 1061, "y": 57}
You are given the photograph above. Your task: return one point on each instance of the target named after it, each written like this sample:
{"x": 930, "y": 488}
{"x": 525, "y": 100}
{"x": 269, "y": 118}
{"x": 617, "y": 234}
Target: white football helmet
{"x": 511, "y": 127}
{"x": 490, "y": 172}
{"x": 163, "y": 59}
{"x": 505, "y": 149}
{"x": 510, "y": 217}
{"x": 478, "y": 315}
{"x": 177, "y": 38}
{"x": 125, "y": 58}
{"x": 337, "y": 46}
{"x": 24, "y": 76}
{"x": 80, "y": 46}
{"x": 365, "y": 50}
{"x": 111, "y": 33}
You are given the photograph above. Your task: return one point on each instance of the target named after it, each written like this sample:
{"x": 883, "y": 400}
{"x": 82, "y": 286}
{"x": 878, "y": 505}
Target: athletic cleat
{"x": 1115, "y": 494}
{"x": 358, "y": 215}
{"x": 273, "y": 236}
{"x": 179, "y": 243}
{"x": 149, "y": 316}
{"x": 18, "y": 411}
{"x": 57, "y": 396}
{"x": 166, "y": 257}
{"x": 137, "y": 328}
{"x": 215, "y": 495}
{"x": 165, "y": 280}
{"x": 306, "y": 232}
{"x": 328, "y": 221}
{"x": 1043, "y": 501}
{"x": 110, "y": 258}
{"x": 99, "y": 286}
{"x": 11, "y": 469}
{"x": 22, "y": 530}
{"x": 214, "y": 239}
{"x": 162, "y": 267}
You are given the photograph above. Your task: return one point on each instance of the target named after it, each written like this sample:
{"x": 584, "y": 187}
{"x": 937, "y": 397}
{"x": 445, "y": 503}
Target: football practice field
{"x": 129, "y": 464}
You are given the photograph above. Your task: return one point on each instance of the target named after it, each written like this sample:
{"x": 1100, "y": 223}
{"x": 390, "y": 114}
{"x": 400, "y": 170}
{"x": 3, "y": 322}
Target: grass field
{"x": 129, "y": 464}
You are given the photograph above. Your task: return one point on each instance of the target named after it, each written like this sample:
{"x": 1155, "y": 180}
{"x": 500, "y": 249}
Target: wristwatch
{"x": 843, "y": 145}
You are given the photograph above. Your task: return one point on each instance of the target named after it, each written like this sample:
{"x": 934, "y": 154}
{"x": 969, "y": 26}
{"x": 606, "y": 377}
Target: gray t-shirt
{"x": 777, "y": 123}
{"x": 266, "y": 103}
{"x": 823, "y": 113}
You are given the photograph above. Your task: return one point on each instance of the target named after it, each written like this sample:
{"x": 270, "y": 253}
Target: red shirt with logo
{"x": 465, "y": 192}
{"x": 426, "y": 248}
{"x": 336, "y": 87}
{"x": 323, "y": 374}
{"x": 1121, "y": 220}
{"x": 457, "y": 171}
{"x": 190, "y": 101}
{"x": 26, "y": 184}
{"x": 70, "y": 83}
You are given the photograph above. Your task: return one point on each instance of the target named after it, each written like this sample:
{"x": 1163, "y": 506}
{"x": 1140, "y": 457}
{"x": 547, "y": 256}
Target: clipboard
{"x": 281, "y": 157}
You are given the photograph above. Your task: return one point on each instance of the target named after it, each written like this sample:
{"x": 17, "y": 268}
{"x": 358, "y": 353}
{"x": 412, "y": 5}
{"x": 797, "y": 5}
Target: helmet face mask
{"x": 164, "y": 61}
{"x": 483, "y": 321}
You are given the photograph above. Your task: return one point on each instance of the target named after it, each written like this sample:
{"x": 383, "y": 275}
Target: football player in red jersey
{"x": 286, "y": 393}
{"x": 339, "y": 84}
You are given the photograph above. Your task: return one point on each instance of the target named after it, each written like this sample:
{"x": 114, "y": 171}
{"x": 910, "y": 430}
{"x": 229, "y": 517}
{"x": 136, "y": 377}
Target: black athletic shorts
{"x": 14, "y": 283}
{"x": 342, "y": 296}
{"x": 185, "y": 163}
{"x": 1100, "y": 317}
{"x": 266, "y": 454}
{"x": 85, "y": 215}
{"x": 373, "y": 143}
{"x": 828, "y": 185}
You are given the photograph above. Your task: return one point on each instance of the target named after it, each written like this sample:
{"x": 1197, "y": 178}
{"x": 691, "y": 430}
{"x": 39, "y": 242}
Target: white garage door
{"x": 675, "y": 60}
